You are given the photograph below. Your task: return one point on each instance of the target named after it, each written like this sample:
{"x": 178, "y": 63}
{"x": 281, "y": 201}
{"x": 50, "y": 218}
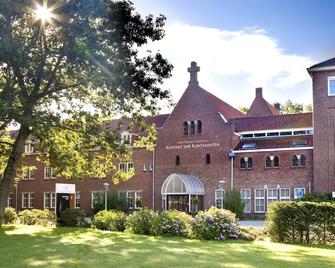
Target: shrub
{"x": 234, "y": 202}
{"x": 252, "y": 233}
{"x": 140, "y": 222}
{"x": 171, "y": 223}
{"x": 9, "y": 216}
{"x": 115, "y": 201}
{"x": 38, "y": 217}
{"x": 215, "y": 224}
{"x": 315, "y": 197}
{"x": 301, "y": 222}
{"x": 110, "y": 220}
{"x": 72, "y": 217}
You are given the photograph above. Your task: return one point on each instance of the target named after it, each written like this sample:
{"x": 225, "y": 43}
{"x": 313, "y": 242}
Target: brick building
{"x": 206, "y": 146}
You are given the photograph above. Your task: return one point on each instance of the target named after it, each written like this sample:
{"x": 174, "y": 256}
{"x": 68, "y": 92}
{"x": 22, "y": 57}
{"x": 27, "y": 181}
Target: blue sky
{"x": 240, "y": 45}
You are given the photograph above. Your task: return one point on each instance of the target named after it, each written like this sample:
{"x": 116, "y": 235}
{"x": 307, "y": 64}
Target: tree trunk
{"x": 13, "y": 163}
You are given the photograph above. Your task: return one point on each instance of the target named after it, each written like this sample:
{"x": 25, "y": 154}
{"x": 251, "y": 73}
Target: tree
{"x": 243, "y": 109}
{"x": 63, "y": 69}
{"x": 291, "y": 108}
{"x": 234, "y": 202}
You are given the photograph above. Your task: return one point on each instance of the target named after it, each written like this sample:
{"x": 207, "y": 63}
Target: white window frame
{"x": 29, "y": 147}
{"x": 27, "y": 176}
{"x": 130, "y": 195}
{"x": 221, "y": 199}
{"x": 126, "y": 166}
{"x": 299, "y": 188}
{"x": 76, "y": 197}
{"x": 52, "y": 200}
{"x": 259, "y": 198}
{"x": 10, "y": 200}
{"x": 244, "y": 198}
{"x": 330, "y": 78}
{"x": 93, "y": 197}
{"x": 51, "y": 175}
{"x": 30, "y": 200}
{"x": 138, "y": 196}
{"x": 150, "y": 167}
{"x": 126, "y": 137}
{"x": 145, "y": 168}
{"x": 270, "y": 197}
{"x": 284, "y": 198}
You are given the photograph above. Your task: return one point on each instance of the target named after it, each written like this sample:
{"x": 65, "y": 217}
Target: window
{"x": 10, "y": 200}
{"x": 250, "y": 163}
{"x": 246, "y": 197}
{"x": 302, "y": 161}
{"x": 246, "y": 163}
{"x": 150, "y": 167}
{"x": 268, "y": 162}
{"x": 242, "y": 163}
{"x": 295, "y": 161}
{"x": 96, "y": 197}
{"x": 259, "y": 200}
{"x": 185, "y": 125}
{"x": 145, "y": 168}
{"x": 208, "y": 159}
{"x": 177, "y": 160}
{"x": 276, "y": 162}
{"x": 272, "y": 162}
{"x": 126, "y": 137}
{"x": 299, "y": 192}
{"x": 272, "y": 195}
{"x": 28, "y": 148}
{"x": 77, "y": 200}
{"x": 192, "y": 128}
{"x": 49, "y": 200}
{"x": 219, "y": 198}
{"x": 130, "y": 165}
{"x": 27, "y": 200}
{"x": 138, "y": 200}
{"x": 49, "y": 173}
{"x": 285, "y": 194}
{"x": 130, "y": 200}
{"x": 125, "y": 167}
{"x": 199, "y": 127}
{"x": 29, "y": 174}
{"x": 331, "y": 86}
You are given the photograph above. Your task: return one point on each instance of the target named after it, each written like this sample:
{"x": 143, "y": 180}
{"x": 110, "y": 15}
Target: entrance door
{"x": 63, "y": 202}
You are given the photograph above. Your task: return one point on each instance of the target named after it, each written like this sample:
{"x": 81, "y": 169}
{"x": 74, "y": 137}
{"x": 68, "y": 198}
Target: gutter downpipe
{"x": 231, "y": 156}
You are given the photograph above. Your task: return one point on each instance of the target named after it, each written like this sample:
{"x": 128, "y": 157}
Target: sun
{"x": 43, "y": 13}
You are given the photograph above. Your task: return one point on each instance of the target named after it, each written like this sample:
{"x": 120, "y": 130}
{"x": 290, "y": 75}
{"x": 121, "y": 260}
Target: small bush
{"x": 110, "y": 220}
{"x": 115, "y": 201}
{"x": 315, "y": 197}
{"x": 38, "y": 217}
{"x": 72, "y": 217}
{"x": 140, "y": 222}
{"x": 171, "y": 223}
{"x": 215, "y": 224}
{"x": 9, "y": 216}
{"x": 233, "y": 202}
{"x": 252, "y": 233}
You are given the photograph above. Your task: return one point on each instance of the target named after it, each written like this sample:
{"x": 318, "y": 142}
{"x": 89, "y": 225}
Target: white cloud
{"x": 232, "y": 63}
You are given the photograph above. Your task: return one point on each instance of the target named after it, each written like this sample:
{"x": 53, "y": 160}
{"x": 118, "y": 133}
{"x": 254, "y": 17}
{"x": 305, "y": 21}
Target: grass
{"x": 32, "y": 246}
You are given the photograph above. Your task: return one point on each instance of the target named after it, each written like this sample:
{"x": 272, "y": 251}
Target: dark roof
{"x": 222, "y": 107}
{"x": 283, "y": 121}
{"x": 327, "y": 63}
{"x": 275, "y": 143}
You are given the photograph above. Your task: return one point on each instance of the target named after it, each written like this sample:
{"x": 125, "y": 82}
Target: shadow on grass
{"x": 74, "y": 247}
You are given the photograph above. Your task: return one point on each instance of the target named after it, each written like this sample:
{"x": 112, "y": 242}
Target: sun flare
{"x": 43, "y": 13}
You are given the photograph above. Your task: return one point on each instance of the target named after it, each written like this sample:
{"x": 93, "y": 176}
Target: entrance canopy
{"x": 182, "y": 184}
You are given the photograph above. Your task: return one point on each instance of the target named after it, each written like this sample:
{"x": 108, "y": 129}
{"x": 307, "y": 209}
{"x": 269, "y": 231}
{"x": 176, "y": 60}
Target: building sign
{"x": 192, "y": 145}
{"x": 65, "y": 188}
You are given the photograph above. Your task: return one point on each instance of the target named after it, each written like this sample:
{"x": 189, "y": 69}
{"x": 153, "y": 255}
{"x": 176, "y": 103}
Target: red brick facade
{"x": 305, "y": 161}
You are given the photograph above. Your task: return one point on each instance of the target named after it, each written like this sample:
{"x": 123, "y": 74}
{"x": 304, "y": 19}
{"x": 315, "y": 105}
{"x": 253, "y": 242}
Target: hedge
{"x": 301, "y": 222}
{"x": 72, "y": 217}
{"x": 110, "y": 220}
{"x": 42, "y": 217}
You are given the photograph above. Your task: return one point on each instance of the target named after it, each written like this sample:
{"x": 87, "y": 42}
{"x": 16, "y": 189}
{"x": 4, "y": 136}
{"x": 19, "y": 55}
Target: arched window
{"x": 177, "y": 160}
{"x": 302, "y": 161}
{"x": 268, "y": 162}
{"x": 250, "y": 163}
{"x": 242, "y": 163}
{"x": 192, "y": 128}
{"x": 275, "y": 162}
{"x": 199, "y": 127}
{"x": 185, "y": 128}
{"x": 208, "y": 159}
{"x": 295, "y": 161}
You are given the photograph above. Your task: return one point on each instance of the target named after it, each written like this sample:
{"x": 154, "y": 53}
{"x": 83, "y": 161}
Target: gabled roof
{"x": 325, "y": 65}
{"x": 260, "y": 107}
{"x": 283, "y": 121}
{"x": 222, "y": 107}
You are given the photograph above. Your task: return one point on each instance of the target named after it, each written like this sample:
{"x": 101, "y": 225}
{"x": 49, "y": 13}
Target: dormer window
{"x": 331, "y": 86}
{"x": 126, "y": 137}
{"x": 28, "y": 148}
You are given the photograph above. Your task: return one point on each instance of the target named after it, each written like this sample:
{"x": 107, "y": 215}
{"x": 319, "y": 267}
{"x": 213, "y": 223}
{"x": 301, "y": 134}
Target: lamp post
{"x": 106, "y": 184}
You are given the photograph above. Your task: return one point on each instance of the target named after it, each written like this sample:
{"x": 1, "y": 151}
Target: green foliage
{"x": 251, "y": 233}
{"x": 215, "y": 224}
{"x": 171, "y": 223}
{"x": 110, "y": 220}
{"x": 290, "y": 107}
{"x": 315, "y": 197}
{"x": 72, "y": 217}
{"x": 10, "y": 216}
{"x": 301, "y": 222}
{"x": 42, "y": 217}
{"x": 115, "y": 201}
{"x": 234, "y": 202}
{"x": 140, "y": 222}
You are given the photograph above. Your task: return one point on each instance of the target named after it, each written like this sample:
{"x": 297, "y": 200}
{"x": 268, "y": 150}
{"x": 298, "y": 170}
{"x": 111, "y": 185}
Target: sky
{"x": 240, "y": 45}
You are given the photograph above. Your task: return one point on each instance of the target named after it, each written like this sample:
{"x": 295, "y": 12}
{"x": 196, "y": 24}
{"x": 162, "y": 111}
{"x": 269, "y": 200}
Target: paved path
{"x": 252, "y": 223}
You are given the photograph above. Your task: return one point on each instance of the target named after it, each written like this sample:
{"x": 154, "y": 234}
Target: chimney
{"x": 259, "y": 92}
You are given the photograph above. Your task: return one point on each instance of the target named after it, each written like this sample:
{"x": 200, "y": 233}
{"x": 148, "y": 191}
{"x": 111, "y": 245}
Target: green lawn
{"x": 31, "y": 246}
